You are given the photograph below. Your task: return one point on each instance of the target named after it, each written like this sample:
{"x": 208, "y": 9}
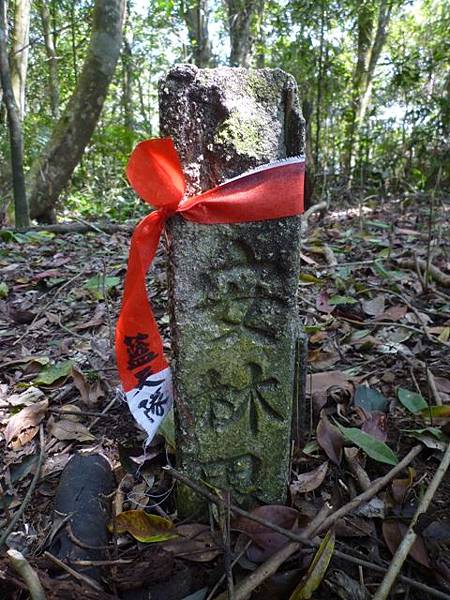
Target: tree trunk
{"x": 19, "y": 52}
{"x": 371, "y": 40}
{"x": 240, "y": 17}
{"x": 52, "y": 62}
{"x": 195, "y": 14}
{"x": 51, "y": 171}
{"x": 15, "y": 130}
{"x": 127, "y": 76}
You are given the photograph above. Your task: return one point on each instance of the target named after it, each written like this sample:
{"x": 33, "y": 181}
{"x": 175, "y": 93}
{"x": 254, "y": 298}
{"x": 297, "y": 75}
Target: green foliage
{"x": 403, "y": 138}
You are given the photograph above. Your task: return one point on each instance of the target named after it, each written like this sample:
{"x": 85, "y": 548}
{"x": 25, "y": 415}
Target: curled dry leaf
{"x": 330, "y": 439}
{"x": 401, "y": 487}
{"x": 23, "y": 426}
{"x": 319, "y": 383}
{"x": 352, "y": 456}
{"x": 307, "y": 482}
{"x": 144, "y": 527}
{"x": 195, "y": 543}
{"x": 91, "y": 392}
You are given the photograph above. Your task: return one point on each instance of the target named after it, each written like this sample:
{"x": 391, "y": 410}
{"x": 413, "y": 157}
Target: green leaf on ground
{"x": 369, "y": 399}
{"x": 54, "y": 372}
{"x": 98, "y": 285}
{"x": 377, "y": 450}
{"x": 411, "y": 400}
{"x": 144, "y": 527}
{"x": 317, "y": 569}
{"x": 336, "y": 300}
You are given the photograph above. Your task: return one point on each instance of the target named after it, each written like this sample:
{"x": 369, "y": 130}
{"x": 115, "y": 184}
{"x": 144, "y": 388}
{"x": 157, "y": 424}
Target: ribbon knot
{"x": 273, "y": 191}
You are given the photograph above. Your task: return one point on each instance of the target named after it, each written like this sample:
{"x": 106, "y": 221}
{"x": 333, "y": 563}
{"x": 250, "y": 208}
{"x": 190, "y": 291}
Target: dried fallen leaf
{"x": 266, "y": 541}
{"x": 90, "y": 391}
{"x": 195, "y": 543}
{"x": 144, "y": 527}
{"x": 394, "y": 313}
{"x": 394, "y": 532}
{"x": 25, "y": 398}
{"x": 375, "y": 425}
{"x": 23, "y": 426}
{"x": 66, "y": 429}
{"x": 400, "y": 487}
{"x": 307, "y": 482}
{"x": 330, "y": 439}
{"x": 375, "y": 306}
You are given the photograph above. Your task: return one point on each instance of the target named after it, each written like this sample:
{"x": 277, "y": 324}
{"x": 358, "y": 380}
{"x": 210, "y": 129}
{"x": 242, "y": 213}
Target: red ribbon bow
{"x": 154, "y": 171}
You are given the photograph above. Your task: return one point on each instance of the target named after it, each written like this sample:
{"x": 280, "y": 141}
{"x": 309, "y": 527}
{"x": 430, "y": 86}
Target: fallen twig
{"x": 410, "y": 536}
{"x": 28, "y": 574}
{"x": 375, "y": 487}
{"x": 433, "y": 387}
{"x": 84, "y": 578}
{"x": 438, "y": 275}
{"x": 30, "y": 491}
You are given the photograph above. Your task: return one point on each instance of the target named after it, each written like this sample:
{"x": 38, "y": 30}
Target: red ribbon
{"x": 155, "y": 173}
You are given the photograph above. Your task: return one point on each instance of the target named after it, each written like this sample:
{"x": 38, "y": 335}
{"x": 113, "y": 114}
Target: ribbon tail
{"x": 143, "y": 369}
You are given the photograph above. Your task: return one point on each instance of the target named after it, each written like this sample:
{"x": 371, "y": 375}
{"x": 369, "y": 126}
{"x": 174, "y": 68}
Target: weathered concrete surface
{"x": 233, "y": 287}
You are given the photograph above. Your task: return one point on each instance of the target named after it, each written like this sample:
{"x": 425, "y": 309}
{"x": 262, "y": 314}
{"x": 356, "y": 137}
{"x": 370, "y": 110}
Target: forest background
{"x": 373, "y": 78}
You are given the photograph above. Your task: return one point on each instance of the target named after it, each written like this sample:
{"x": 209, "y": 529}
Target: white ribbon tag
{"x": 151, "y": 401}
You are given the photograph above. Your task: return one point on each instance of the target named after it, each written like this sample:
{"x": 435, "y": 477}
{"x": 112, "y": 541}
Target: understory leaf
{"x": 411, "y": 400}
{"x": 54, "y": 372}
{"x": 369, "y": 399}
{"x": 377, "y": 450}
{"x": 317, "y": 569}
{"x": 144, "y": 527}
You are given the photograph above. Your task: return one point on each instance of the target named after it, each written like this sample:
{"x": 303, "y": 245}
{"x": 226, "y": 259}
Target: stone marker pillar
{"x": 233, "y": 287}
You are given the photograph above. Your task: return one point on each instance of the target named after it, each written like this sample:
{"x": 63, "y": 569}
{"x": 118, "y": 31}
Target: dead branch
{"x": 435, "y": 272}
{"x": 83, "y": 578}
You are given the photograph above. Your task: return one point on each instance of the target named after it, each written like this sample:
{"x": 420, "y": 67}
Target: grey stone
{"x": 233, "y": 288}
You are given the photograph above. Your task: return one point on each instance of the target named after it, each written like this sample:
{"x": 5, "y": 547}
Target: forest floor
{"x": 378, "y": 362}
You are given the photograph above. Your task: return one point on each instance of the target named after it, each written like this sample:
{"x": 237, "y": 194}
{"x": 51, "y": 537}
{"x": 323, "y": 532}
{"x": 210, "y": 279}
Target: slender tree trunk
{"x": 19, "y": 52}
{"x": 260, "y": 36}
{"x": 52, "y": 61}
{"x": 373, "y": 21}
{"x": 240, "y": 17}
{"x": 50, "y": 173}
{"x": 195, "y": 14}
{"x": 22, "y": 215}
{"x": 127, "y": 75}
{"x": 319, "y": 87}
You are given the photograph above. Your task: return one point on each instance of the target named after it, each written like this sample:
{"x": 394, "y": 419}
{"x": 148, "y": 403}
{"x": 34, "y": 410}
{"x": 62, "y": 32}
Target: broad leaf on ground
{"x": 413, "y": 401}
{"x": 23, "y": 426}
{"x": 372, "y": 447}
{"x": 329, "y": 439}
{"x": 144, "y": 527}
{"x": 317, "y": 569}
{"x": 307, "y": 482}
